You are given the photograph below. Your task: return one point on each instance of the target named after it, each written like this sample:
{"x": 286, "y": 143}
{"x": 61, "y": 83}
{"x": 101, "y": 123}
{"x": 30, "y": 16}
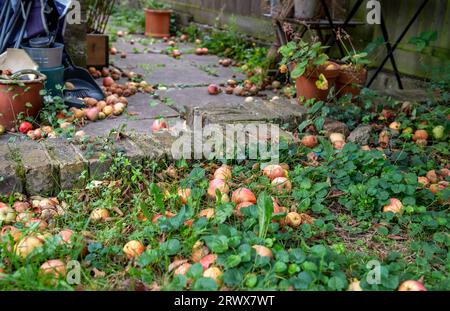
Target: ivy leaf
{"x": 232, "y": 277}
{"x": 195, "y": 271}
{"x": 205, "y": 284}
{"x": 337, "y": 283}
{"x": 218, "y": 244}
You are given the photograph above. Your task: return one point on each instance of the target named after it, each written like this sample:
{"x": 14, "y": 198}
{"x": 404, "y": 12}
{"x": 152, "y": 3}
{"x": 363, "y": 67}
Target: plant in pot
{"x": 157, "y": 19}
{"x": 313, "y": 73}
{"x": 98, "y": 15}
{"x": 353, "y": 74}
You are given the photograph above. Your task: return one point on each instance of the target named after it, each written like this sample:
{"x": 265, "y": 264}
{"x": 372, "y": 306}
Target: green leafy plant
{"x": 156, "y": 5}
{"x": 303, "y": 55}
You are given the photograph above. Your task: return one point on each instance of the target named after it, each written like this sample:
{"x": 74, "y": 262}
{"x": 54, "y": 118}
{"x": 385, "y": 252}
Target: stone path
{"x": 57, "y": 164}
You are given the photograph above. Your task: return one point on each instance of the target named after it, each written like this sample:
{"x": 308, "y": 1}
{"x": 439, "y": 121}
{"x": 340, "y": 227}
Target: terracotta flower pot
{"x": 18, "y": 97}
{"x": 306, "y": 84}
{"x": 157, "y": 23}
{"x": 351, "y": 81}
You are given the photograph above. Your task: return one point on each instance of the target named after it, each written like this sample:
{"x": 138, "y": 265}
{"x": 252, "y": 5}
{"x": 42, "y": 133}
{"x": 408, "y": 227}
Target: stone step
{"x": 47, "y": 167}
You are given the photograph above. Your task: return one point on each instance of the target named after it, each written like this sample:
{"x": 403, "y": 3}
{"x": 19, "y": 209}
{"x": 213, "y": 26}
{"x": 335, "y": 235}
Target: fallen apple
{"x": 133, "y": 249}
{"x": 439, "y": 132}
{"x": 237, "y": 210}
{"x": 395, "y": 206}
{"x": 411, "y": 285}
{"x": 207, "y": 212}
{"x": 355, "y": 286}
{"x": 274, "y": 171}
{"x": 423, "y": 180}
{"x": 223, "y": 172}
{"x": 158, "y": 125}
{"x": 217, "y": 184}
{"x": 432, "y": 177}
{"x": 99, "y": 214}
{"x": 182, "y": 269}
{"x": 208, "y": 261}
{"x": 55, "y": 268}
{"x": 282, "y": 184}
{"x": 395, "y": 126}
{"x": 262, "y": 251}
{"x": 293, "y": 219}
{"x": 420, "y": 135}
{"x": 25, "y": 127}
{"x": 184, "y": 194}
{"x": 66, "y": 235}
{"x": 309, "y": 141}
{"x": 243, "y": 195}
{"x": 199, "y": 250}
{"x": 7, "y": 214}
{"x": 214, "y": 273}
{"x": 337, "y": 137}
{"x": 27, "y": 245}
{"x": 213, "y": 89}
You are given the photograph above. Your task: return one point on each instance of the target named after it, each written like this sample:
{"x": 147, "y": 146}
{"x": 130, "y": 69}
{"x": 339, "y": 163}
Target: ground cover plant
{"x": 312, "y": 223}
{"x": 335, "y": 213}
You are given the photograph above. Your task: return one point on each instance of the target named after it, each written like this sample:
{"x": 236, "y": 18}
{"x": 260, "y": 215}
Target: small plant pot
{"x": 20, "y": 97}
{"x": 157, "y": 23}
{"x": 306, "y": 84}
{"x": 351, "y": 81}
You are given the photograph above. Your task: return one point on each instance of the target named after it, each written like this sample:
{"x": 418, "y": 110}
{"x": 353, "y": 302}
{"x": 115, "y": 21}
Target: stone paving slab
{"x": 282, "y": 113}
{"x": 104, "y": 127}
{"x": 183, "y": 98}
{"x": 10, "y": 181}
{"x": 36, "y": 167}
{"x": 149, "y": 45}
{"x": 144, "y": 106}
{"x": 49, "y": 166}
{"x": 67, "y": 163}
{"x": 189, "y": 70}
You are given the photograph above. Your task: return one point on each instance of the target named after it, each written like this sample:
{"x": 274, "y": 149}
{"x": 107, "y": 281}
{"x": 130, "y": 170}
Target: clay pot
{"x": 157, "y": 23}
{"x": 20, "y": 96}
{"x": 306, "y": 84}
{"x": 351, "y": 81}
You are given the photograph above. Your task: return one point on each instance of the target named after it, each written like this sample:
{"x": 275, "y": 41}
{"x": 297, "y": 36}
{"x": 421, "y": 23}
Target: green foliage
{"x": 156, "y": 5}
{"x": 303, "y": 55}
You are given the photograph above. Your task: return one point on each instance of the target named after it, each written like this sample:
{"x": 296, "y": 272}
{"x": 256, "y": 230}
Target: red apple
{"x": 213, "y": 89}
{"x": 159, "y": 125}
{"x": 412, "y": 286}
{"x": 25, "y": 127}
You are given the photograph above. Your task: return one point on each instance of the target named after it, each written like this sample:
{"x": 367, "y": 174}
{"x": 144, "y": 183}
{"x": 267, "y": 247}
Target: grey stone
{"x": 333, "y": 126}
{"x": 10, "y": 180}
{"x": 68, "y": 164}
{"x": 150, "y": 148}
{"x": 97, "y": 159}
{"x": 36, "y": 165}
{"x": 361, "y": 135}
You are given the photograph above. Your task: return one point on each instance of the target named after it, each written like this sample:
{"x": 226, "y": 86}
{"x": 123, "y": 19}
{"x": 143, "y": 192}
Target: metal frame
{"x": 389, "y": 47}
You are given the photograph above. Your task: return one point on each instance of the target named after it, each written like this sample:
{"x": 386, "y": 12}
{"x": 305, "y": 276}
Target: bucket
{"x": 46, "y": 57}
{"x": 306, "y": 9}
{"x": 55, "y": 76}
{"x": 20, "y": 97}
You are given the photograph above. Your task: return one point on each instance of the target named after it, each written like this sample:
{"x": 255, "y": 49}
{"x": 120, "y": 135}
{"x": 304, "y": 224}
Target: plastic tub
{"x": 306, "y": 9}
{"x": 46, "y": 57}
